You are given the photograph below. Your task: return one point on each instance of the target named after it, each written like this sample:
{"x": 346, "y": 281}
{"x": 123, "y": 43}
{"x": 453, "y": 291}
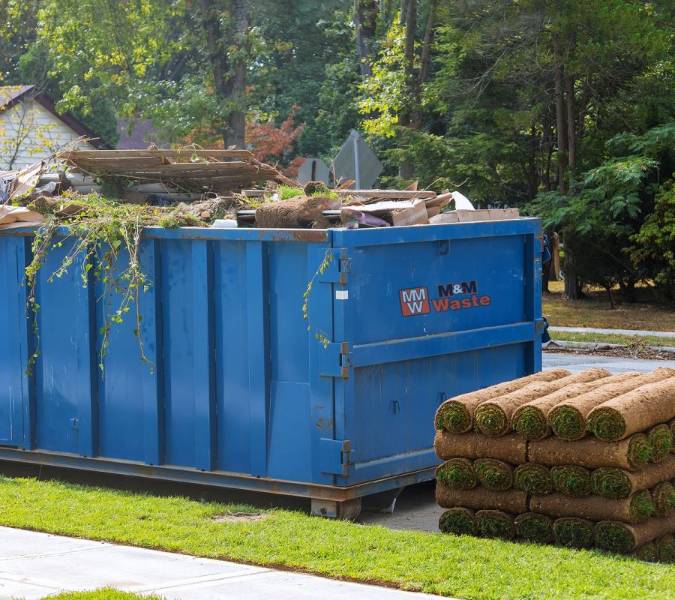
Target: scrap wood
{"x": 11, "y": 215}
{"x": 387, "y": 194}
{"x": 222, "y": 170}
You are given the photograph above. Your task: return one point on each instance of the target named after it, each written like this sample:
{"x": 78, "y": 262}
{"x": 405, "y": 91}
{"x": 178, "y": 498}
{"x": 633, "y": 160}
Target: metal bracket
{"x": 335, "y": 456}
{"x": 334, "y": 360}
{"x": 539, "y": 326}
{"x": 338, "y": 268}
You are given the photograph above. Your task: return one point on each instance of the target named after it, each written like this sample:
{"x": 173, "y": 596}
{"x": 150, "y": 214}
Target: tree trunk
{"x": 425, "y": 61}
{"x": 571, "y": 125}
{"x": 560, "y": 117}
{"x": 229, "y": 79}
{"x": 405, "y": 118}
{"x": 236, "y": 127}
{"x": 365, "y": 20}
{"x": 572, "y": 291}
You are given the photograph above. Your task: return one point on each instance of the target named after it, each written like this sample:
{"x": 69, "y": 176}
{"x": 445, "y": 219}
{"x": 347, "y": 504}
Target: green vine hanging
{"x": 100, "y": 231}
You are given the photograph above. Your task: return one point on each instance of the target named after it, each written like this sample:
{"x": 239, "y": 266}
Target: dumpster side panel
{"x": 13, "y": 341}
{"x": 232, "y": 355}
{"x": 65, "y": 394}
{"x": 393, "y": 417}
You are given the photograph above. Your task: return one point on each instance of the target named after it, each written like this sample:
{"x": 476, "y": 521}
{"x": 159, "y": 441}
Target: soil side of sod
{"x": 459, "y": 566}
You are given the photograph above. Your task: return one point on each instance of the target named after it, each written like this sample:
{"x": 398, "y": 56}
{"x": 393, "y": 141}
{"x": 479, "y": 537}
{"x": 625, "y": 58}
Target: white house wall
{"x": 37, "y": 132}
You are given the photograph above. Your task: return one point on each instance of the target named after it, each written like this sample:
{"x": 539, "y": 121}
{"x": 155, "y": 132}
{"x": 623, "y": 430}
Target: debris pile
{"x": 581, "y": 460}
{"x": 198, "y": 187}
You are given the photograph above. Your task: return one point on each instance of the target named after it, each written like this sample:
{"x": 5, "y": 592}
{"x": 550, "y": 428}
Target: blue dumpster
{"x": 300, "y": 362}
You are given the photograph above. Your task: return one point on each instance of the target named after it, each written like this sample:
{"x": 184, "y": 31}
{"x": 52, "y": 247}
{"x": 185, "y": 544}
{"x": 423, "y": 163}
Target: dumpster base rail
{"x": 328, "y": 501}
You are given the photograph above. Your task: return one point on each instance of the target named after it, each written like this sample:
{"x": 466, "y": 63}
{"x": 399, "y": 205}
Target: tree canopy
{"x": 551, "y": 105}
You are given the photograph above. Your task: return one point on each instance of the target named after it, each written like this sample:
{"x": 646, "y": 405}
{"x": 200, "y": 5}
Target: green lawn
{"x": 595, "y": 311}
{"x": 612, "y": 338}
{"x": 464, "y": 567}
{"x": 102, "y": 594}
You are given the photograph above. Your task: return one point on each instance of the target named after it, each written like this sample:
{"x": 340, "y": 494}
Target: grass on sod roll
{"x": 530, "y": 422}
{"x": 648, "y": 552}
{"x": 533, "y": 478}
{"x": 567, "y": 423}
{"x": 454, "y": 417}
{"x": 642, "y": 505}
{"x": 609, "y": 482}
{"x": 494, "y": 474}
{"x": 661, "y": 439}
{"x": 665, "y": 547}
{"x": 495, "y": 524}
{"x": 460, "y": 521}
{"x": 572, "y": 480}
{"x": 614, "y": 537}
{"x": 491, "y": 420}
{"x": 663, "y": 496}
{"x": 639, "y": 450}
{"x": 573, "y": 532}
{"x": 462, "y": 567}
{"x": 535, "y": 528}
{"x": 457, "y": 473}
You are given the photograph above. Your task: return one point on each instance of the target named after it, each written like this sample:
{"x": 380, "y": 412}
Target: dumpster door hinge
{"x": 334, "y": 360}
{"x": 337, "y": 269}
{"x": 335, "y": 456}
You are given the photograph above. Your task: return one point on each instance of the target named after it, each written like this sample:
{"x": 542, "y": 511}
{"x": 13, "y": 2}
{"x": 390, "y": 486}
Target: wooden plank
{"x": 415, "y": 215}
{"x": 388, "y": 194}
{"x": 116, "y": 154}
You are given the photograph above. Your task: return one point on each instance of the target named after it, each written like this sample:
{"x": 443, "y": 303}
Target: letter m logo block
{"x": 415, "y": 301}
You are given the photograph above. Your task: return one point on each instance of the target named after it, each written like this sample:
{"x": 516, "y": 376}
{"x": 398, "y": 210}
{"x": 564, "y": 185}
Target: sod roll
{"x": 510, "y": 448}
{"x": 661, "y": 439}
{"x": 635, "y": 509}
{"x": 495, "y": 524}
{"x": 457, "y": 473}
{"x": 573, "y": 532}
{"x": 533, "y": 479}
{"x": 672, "y": 431}
{"x": 665, "y": 548}
{"x": 479, "y": 498}
{"x": 615, "y": 536}
{"x": 533, "y": 527}
{"x": 618, "y": 483}
{"x": 571, "y": 480}
{"x": 634, "y": 411}
{"x": 494, "y": 474}
{"x": 530, "y": 419}
{"x": 647, "y": 552}
{"x": 493, "y": 417}
{"x": 568, "y": 419}
{"x": 460, "y": 521}
{"x": 631, "y": 454}
{"x": 663, "y": 495}
{"x": 456, "y": 414}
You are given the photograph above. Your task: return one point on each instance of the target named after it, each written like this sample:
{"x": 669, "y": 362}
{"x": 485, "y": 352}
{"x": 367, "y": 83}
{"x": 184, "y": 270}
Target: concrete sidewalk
{"x": 581, "y": 362}
{"x": 636, "y": 332}
{"x": 35, "y": 565}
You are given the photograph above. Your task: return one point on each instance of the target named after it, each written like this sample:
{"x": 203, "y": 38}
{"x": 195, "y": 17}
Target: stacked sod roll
{"x": 581, "y": 460}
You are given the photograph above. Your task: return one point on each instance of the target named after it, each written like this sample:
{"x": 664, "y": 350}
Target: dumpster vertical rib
{"x": 257, "y": 344}
{"x": 23, "y": 333}
{"x": 532, "y": 274}
{"x": 202, "y": 355}
{"x": 320, "y": 321}
{"x": 151, "y": 311}
{"x": 85, "y": 388}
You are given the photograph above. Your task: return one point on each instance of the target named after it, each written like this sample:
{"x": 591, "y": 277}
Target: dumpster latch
{"x": 335, "y": 456}
{"x": 334, "y": 360}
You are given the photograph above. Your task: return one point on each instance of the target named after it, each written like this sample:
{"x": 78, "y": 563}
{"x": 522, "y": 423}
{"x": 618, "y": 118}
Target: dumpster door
{"x": 426, "y": 313}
